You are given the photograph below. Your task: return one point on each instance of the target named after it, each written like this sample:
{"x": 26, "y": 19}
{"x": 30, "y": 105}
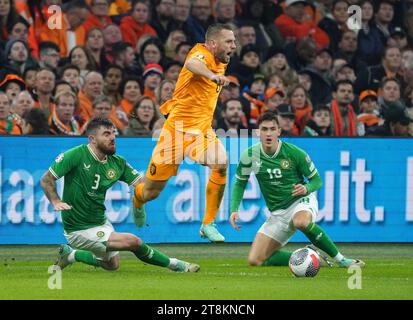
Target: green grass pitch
{"x": 224, "y": 274}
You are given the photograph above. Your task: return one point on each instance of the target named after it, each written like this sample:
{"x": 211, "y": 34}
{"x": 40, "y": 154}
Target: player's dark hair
{"x": 214, "y": 30}
{"x": 268, "y": 116}
{"x": 96, "y": 123}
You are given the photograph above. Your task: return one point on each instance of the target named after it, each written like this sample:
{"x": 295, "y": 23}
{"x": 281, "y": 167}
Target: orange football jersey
{"x": 195, "y": 97}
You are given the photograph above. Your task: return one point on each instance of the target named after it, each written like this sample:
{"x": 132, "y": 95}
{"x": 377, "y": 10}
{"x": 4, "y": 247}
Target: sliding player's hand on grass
{"x": 299, "y": 190}
{"x": 234, "y": 220}
{"x": 60, "y": 206}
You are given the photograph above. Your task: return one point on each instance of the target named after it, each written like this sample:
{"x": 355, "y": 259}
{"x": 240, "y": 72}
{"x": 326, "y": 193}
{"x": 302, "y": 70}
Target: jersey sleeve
{"x": 244, "y": 167}
{"x": 203, "y": 57}
{"x": 65, "y": 162}
{"x": 130, "y": 175}
{"x": 305, "y": 165}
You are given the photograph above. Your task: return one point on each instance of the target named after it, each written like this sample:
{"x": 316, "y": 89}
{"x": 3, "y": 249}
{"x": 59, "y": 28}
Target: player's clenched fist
{"x": 220, "y": 80}
{"x": 234, "y": 220}
{"x": 299, "y": 190}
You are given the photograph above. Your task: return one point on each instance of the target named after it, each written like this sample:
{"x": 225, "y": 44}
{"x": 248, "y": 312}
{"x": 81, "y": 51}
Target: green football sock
{"x": 278, "y": 258}
{"x": 86, "y": 257}
{"x": 320, "y": 239}
{"x": 151, "y": 256}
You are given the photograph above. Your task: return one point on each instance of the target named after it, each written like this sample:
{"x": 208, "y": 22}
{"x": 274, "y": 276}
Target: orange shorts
{"x": 173, "y": 147}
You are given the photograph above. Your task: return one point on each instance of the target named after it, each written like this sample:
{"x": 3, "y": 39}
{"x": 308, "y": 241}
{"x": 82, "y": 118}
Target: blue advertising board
{"x": 367, "y": 195}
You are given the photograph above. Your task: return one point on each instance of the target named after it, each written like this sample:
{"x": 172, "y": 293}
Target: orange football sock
{"x": 214, "y": 193}
{"x": 138, "y": 196}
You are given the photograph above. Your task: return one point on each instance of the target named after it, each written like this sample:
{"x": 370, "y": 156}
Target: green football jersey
{"x": 86, "y": 181}
{"x": 278, "y": 173}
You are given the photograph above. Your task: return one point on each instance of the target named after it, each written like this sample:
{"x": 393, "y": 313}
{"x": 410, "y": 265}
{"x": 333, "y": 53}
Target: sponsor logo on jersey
{"x": 152, "y": 170}
{"x": 200, "y": 56}
{"x": 59, "y": 157}
{"x": 100, "y": 234}
{"x": 285, "y": 164}
{"x": 111, "y": 173}
{"x": 258, "y": 163}
{"x": 86, "y": 166}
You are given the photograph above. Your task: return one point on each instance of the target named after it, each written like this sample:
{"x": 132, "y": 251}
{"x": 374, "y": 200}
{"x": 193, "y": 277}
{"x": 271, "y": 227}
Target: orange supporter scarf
{"x": 302, "y": 115}
{"x": 59, "y": 128}
{"x": 257, "y": 108}
{"x": 126, "y": 106}
{"x": 338, "y": 121}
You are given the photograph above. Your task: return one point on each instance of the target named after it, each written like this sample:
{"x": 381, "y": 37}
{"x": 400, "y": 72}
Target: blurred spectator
{"x": 370, "y": 45}
{"x": 152, "y": 51}
{"x": 277, "y": 81}
{"x": 62, "y": 121}
{"x": 369, "y": 109}
{"x": 231, "y": 122}
{"x": 72, "y": 32}
{"x": 29, "y": 77}
{"x": 390, "y": 92}
{"x": 124, "y": 57}
{"x": 62, "y": 85}
{"x": 8, "y": 17}
{"x": 390, "y": 67}
{"x": 255, "y": 97}
{"x": 34, "y": 122}
{"x": 200, "y": 19}
{"x": 111, "y": 35}
{"x": 249, "y": 64}
{"x": 113, "y": 76}
{"x": 101, "y": 108}
{"x": 23, "y": 102}
{"x": 384, "y": 17}
{"x": 174, "y": 38}
{"x": 398, "y": 38}
{"x": 43, "y": 88}
{"x": 347, "y": 50}
{"x": 182, "y": 51}
{"x": 172, "y": 70}
{"x": 246, "y": 35}
{"x": 276, "y": 63}
{"x": 301, "y": 54}
{"x": 335, "y": 23}
{"x": 137, "y": 24}
{"x": 71, "y": 74}
{"x": 96, "y": 47}
{"x": 273, "y": 98}
{"x": 131, "y": 90}
{"x": 296, "y": 25}
{"x": 142, "y": 118}
{"x": 301, "y": 104}
{"x": 320, "y": 122}
{"x": 12, "y": 85}
{"x": 81, "y": 58}
{"x": 8, "y": 123}
{"x": 163, "y": 18}
{"x": 164, "y": 92}
{"x": 396, "y": 123}
{"x": 345, "y": 72}
{"x": 49, "y": 55}
{"x": 304, "y": 78}
{"x": 152, "y": 77}
{"x": 17, "y": 58}
{"x": 181, "y": 16}
{"x": 286, "y": 119}
{"x": 344, "y": 120}
{"x": 225, "y": 11}
{"x": 261, "y": 15}
{"x": 99, "y": 15}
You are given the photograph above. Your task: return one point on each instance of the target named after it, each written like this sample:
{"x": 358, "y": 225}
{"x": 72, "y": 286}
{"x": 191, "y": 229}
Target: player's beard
{"x": 108, "y": 149}
{"x": 222, "y": 56}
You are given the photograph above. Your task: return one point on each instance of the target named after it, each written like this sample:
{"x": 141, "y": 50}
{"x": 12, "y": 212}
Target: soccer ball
{"x": 304, "y": 262}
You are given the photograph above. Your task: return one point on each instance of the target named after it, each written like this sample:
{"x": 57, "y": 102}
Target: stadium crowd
{"x": 120, "y": 60}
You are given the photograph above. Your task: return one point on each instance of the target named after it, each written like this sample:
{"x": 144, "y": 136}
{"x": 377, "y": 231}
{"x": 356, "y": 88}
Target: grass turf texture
{"x": 224, "y": 274}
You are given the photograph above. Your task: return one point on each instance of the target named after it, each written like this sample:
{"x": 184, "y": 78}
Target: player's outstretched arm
{"x": 48, "y": 184}
{"x": 199, "y": 68}
{"x": 236, "y": 198}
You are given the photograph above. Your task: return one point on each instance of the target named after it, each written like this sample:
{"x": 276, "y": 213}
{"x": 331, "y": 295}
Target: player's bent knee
{"x": 133, "y": 242}
{"x": 301, "y": 223}
{"x": 151, "y": 194}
